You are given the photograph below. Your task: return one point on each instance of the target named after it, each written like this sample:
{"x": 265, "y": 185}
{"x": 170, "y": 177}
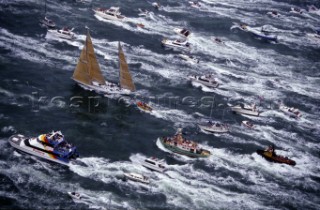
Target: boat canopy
{"x": 53, "y": 138}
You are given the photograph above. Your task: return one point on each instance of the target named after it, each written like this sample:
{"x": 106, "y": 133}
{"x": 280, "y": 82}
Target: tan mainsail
{"x": 88, "y": 68}
{"x": 125, "y": 76}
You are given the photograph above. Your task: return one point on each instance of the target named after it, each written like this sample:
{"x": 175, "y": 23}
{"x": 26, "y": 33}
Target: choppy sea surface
{"x": 113, "y": 137}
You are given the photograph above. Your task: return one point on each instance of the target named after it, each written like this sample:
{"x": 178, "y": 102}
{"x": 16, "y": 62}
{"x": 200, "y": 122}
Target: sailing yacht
{"x": 46, "y": 22}
{"x": 89, "y": 76}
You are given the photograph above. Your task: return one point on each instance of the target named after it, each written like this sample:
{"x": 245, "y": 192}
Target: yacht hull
{"x": 213, "y": 130}
{"x": 239, "y": 110}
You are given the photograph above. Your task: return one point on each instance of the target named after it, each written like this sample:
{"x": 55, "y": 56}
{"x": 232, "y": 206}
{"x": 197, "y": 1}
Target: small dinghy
{"x": 144, "y": 107}
{"x": 195, "y": 4}
{"x": 140, "y": 25}
{"x": 137, "y": 177}
{"x": 182, "y": 32}
{"x": 217, "y": 40}
{"x": 46, "y": 22}
{"x": 74, "y": 195}
{"x": 274, "y": 14}
{"x": 189, "y": 58}
{"x": 296, "y": 10}
{"x": 178, "y": 44}
{"x": 247, "y": 124}
{"x": 156, "y": 5}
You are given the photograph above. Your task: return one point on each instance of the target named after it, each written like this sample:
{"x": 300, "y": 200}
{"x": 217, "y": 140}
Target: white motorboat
{"x": 154, "y": 164}
{"x": 111, "y": 14}
{"x": 296, "y": 10}
{"x": 75, "y": 195}
{"x": 143, "y": 13}
{"x": 179, "y": 44}
{"x": 64, "y": 33}
{"x": 206, "y": 80}
{"x": 156, "y": 5}
{"x": 51, "y": 146}
{"x": 47, "y": 23}
{"x": 245, "y": 109}
{"x": 290, "y": 111}
{"x": 137, "y": 177}
{"x": 182, "y": 31}
{"x": 217, "y": 40}
{"x": 189, "y": 58}
{"x": 261, "y": 33}
{"x": 247, "y": 124}
{"x": 214, "y": 127}
{"x": 313, "y": 9}
{"x": 90, "y": 76}
{"x": 194, "y": 4}
{"x": 274, "y": 14}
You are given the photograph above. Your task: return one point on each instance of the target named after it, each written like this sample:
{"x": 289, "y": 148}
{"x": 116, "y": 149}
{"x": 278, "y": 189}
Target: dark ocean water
{"x": 37, "y": 96}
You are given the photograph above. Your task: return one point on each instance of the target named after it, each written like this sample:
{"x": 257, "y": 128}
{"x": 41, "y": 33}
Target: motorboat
{"x": 113, "y": 13}
{"x": 144, "y": 106}
{"x": 214, "y": 127}
{"x": 296, "y": 10}
{"x": 217, "y": 40}
{"x": 156, "y": 5}
{"x": 179, "y": 44}
{"x": 154, "y": 164}
{"x": 270, "y": 155}
{"x": 194, "y": 4}
{"x": 143, "y": 13}
{"x": 137, "y": 177}
{"x": 258, "y": 32}
{"x": 182, "y": 32}
{"x": 189, "y": 58}
{"x": 206, "y": 80}
{"x": 64, "y": 33}
{"x": 247, "y": 124}
{"x": 313, "y": 9}
{"x": 51, "y": 146}
{"x": 140, "y": 25}
{"x": 245, "y": 109}
{"x": 180, "y": 145}
{"x": 74, "y": 195}
{"x": 47, "y": 23}
{"x": 274, "y": 14}
{"x": 292, "y": 112}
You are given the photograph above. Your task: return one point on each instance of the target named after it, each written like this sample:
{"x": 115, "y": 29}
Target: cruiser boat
{"x": 154, "y": 164}
{"x": 47, "y": 23}
{"x": 51, "y": 146}
{"x": 214, "y": 127}
{"x": 247, "y": 124}
{"x": 110, "y": 14}
{"x": 179, "y": 44}
{"x": 178, "y": 144}
{"x": 270, "y": 155}
{"x": 182, "y": 31}
{"x": 89, "y": 76}
{"x": 206, "y": 80}
{"x": 144, "y": 106}
{"x": 189, "y": 58}
{"x": 292, "y": 112}
{"x": 64, "y": 33}
{"x": 245, "y": 109}
{"x": 74, "y": 195}
{"x": 137, "y": 177}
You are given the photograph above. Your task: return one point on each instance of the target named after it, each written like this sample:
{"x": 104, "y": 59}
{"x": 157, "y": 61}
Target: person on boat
{"x": 270, "y": 149}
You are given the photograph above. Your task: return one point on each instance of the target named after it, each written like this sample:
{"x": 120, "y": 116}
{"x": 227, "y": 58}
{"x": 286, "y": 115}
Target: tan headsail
{"x": 125, "y": 76}
{"x": 88, "y": 68}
